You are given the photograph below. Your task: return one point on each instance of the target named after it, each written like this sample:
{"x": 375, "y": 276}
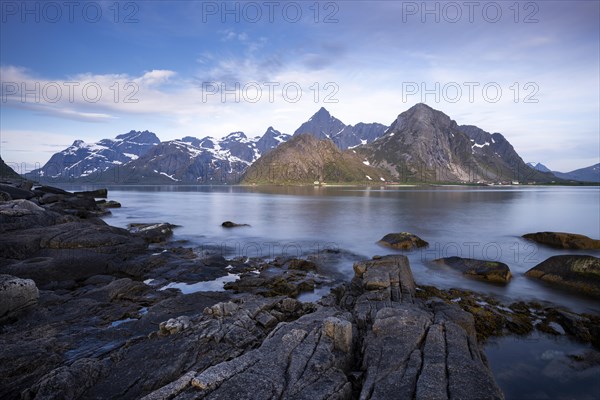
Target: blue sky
{"x": 529, "y": 70}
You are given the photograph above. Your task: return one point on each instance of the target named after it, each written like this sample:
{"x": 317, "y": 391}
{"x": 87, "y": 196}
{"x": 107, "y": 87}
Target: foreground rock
{"x": 489, "y": 271}
{"x": 402, "y": 241}
{"x": 371, "y": 340}
{"x": 16, "y": 295}
{"x": 562, "y": 240}
{"x": 581, "y": 273}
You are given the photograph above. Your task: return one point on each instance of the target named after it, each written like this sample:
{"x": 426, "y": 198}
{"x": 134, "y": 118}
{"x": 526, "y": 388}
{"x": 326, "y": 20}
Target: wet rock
{"x": 577, "y": 272}
{"x": 99, "y": 193}
{"x": 302, "y": 265}
{"x": 16, "y": 295}
{"x": 229, "y": 224}
{"x": 109, "y": 204}
{"x": 562, "y": 240}
{"x": 402, "y": 241}
{"x": 152, "y": 233}
{"x": 489, "y": 271}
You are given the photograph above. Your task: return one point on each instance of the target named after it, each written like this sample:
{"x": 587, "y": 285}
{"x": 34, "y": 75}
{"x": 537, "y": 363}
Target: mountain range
{"x": 588, "y": 174}
{"x": 420, "y": 145}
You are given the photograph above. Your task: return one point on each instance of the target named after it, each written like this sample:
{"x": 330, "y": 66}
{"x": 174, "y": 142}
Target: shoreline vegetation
{"x": 84, "y": 304}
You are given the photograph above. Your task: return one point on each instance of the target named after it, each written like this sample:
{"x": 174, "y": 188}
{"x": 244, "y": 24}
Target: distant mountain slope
{"x": 323, "y": 125}
{"x": 588, "y": 174}
{"x": 424, "y": 144}
{"x": 7, "y": 172}
{"x": 83, "y": 159}
{"x": 304, "y": 159}
{"x": 539, "y": 167}
{"x": 270, "y": 140}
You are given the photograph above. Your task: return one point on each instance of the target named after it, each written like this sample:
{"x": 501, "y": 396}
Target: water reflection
{"x": 478, "y": 222}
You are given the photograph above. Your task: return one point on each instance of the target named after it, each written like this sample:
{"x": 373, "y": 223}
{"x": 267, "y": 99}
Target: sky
{"x": 96, "y": 69}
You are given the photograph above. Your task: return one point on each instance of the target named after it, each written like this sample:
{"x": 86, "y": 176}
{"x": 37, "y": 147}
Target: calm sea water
{"x": 484, "y": 223}
{"x": 475, "y": 222}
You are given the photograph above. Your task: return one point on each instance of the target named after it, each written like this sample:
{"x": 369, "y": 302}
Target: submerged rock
{"x": 229, "y": 224}
{"x": 490, "y": 271}
{"x": 402, "y": 241}
{"x": 562, "y": 240}
{"x": 578, "y": 272}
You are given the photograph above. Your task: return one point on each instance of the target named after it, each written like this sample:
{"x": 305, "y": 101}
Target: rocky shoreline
{"x": 90, "y": 311}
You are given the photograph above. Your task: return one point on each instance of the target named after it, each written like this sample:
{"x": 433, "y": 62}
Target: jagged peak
{"x": 139, "y": 137}
{"x": 78, "y": 143}
{"x": 237, "y": 134}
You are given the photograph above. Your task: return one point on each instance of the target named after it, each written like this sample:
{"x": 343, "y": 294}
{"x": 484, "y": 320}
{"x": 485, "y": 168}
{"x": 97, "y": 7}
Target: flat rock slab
{"x": 402, "y": 241}
{"x": 489, "y": 271}
{"x": 581, "y": 273}
{"x": 563, "y": 240}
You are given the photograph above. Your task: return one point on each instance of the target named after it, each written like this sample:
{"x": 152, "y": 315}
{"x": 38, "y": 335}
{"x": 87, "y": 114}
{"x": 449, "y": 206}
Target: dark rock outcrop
{"x": 229, "y": 224}
{"x": 490, "y": 271}
{"x": 562, "y": 240}
{"x": 581, "y": 273}
{"x": 402, "y": 241}
{"x": 152, "y": 233}
{"x": 371, "y": 340}
{"x": 16, "y": 295}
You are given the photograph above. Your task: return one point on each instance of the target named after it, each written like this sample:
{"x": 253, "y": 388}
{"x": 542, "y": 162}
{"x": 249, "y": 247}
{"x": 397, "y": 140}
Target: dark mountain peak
{"x": 78, "y": 143}
{"x": 322, "y": 125}
{"x": 191, "y": 140}
{"x": 423, "y": 111}
{"x": 421, "y": 116}
{"x": 323, "y": 112}
{"x": 539, "y": 166}
{"x": 143, "y": 137}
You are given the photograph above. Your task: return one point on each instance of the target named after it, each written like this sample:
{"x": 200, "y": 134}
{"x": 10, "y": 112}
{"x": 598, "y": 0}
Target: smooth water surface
{"x": 476, "y": 222}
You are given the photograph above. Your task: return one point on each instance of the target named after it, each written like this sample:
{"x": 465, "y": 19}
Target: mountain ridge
{"x": 421, "y": 145}
{"x": 305, "y": 159}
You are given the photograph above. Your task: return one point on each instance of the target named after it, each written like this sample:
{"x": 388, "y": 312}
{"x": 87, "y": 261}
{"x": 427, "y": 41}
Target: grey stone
{"x": 16, "y": 295}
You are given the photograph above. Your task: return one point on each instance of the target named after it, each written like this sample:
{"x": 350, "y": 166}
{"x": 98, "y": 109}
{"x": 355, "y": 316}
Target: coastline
{"x": 105, "y": 311}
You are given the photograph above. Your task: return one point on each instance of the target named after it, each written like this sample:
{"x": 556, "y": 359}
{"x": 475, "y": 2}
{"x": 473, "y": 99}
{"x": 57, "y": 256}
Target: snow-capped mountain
{"x": 323, "y": 125}
{"x": 270, "y": 140}
{"x": 84, "y": 159}
{"x": 191, "y": 160}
